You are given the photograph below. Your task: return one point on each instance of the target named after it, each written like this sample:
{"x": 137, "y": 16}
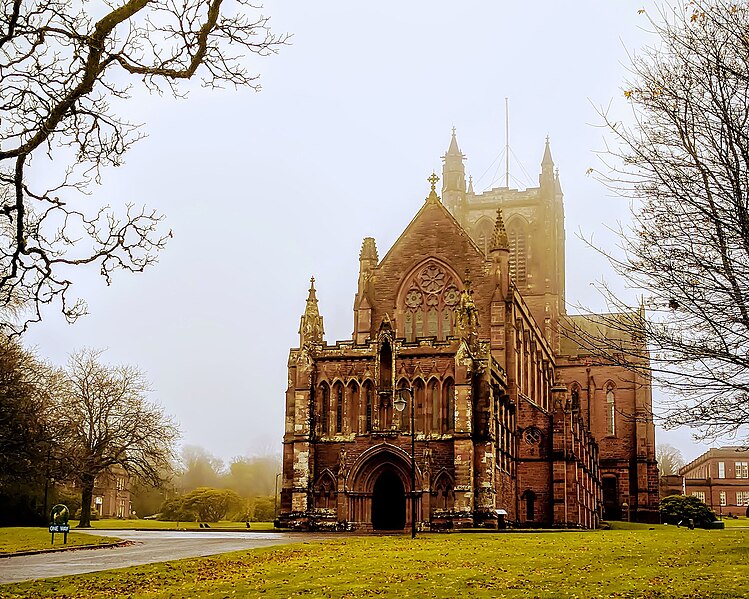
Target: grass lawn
{"x": 733, "y": 523}
{"x": 664, "y": 562}
{"x": 14, "y": 539}
{"x": 119, "y": 523}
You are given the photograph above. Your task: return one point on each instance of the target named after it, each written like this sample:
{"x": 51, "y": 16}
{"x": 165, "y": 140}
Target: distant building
{"x": 513, "y": 423}
{"x": 720, "y": 478}
{"x": 111, "y": 495}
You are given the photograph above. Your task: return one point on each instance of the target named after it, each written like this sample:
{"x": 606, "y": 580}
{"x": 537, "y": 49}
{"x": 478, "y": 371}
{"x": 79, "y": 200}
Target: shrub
{"x": 678, "y": 508}
{"x": 94, "y": 514}
{"x": 204, "y": 504}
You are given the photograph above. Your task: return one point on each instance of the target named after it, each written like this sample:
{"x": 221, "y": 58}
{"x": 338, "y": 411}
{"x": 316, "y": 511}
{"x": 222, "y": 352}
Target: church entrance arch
{"x": 388, "y": 502}
{"x": 379, "y": 489}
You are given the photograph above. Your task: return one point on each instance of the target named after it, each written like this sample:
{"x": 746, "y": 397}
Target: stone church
{"x": 514, "y": 423}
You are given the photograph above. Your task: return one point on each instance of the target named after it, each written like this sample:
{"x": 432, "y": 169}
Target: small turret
{"x": 311, "y": 326}
{"x": 453, "y": 175}
{"x": 546, "y": 178}
{"x": 368, "y": 260}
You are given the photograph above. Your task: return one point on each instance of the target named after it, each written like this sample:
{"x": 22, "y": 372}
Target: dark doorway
{"x": 611, "y": 508}
{"x": 530, "y": 505}
{"x": 388, "y": 503}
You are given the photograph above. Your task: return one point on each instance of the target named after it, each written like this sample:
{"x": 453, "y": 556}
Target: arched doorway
{"x": 388, "y": 502}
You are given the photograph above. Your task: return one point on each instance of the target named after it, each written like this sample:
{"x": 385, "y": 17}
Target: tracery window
{"x": 429, "y": 301}
{"x": 444, "y": 493}
{"x": 610, "y": 410}
{"x": 517, "y": 236}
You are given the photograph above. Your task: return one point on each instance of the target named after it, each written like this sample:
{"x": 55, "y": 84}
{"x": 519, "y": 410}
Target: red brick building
{"x": 513, "y": 423}
{"x": 720, "y": 478}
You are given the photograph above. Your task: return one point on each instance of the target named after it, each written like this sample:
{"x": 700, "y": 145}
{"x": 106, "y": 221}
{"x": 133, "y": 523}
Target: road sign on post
{"x": 58, "y": 522}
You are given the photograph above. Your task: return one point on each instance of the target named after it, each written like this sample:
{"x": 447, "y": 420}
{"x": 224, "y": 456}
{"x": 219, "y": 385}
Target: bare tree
{"x": 685, "y": 165}
{"x": 106, "y": 420}
{"x": 62, "y": 74}
{"x": 669, "y": 459}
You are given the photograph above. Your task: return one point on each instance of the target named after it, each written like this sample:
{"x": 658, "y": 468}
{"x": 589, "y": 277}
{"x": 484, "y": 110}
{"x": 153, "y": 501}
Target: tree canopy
{"x": 67, "y": 70}
{"x": 684, "y": 163}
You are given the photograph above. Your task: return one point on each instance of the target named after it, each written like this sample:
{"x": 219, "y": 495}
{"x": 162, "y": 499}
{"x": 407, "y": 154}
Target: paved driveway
{"x": 148, "y": 546}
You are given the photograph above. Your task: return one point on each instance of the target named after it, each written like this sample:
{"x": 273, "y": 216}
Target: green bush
{"x": 682, "y": 508}
{"x": 204, "y": 504}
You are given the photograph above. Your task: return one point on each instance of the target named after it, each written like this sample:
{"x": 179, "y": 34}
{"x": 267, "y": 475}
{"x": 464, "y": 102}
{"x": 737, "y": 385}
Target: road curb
{"x": 74, "y": 548}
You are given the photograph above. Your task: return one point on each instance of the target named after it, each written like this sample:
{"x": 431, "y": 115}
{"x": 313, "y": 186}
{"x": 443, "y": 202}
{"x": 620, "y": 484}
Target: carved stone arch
{"x": 324, "y": 490}
{"x": 353, "y": 404}
{"x": 433, "y": 405}
{"x": 370, "y": 464}
{"x": 482, "y": 233}
{"x": 609, "y": 398}
{"x": 443, "y": 490}
{"x": 426, "y": 300}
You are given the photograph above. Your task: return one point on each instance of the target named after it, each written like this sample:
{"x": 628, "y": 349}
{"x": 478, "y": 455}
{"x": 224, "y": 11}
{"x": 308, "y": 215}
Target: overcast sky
{"x": 263, "y": 190}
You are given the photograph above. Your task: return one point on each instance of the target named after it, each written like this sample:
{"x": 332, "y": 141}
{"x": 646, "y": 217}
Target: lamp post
{"x": 400, "y": 404}
{"x": 275, "y": 497}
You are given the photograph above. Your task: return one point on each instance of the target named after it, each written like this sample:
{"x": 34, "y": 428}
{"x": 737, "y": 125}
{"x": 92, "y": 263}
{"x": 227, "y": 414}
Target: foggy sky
{"x": 264, "y": 190}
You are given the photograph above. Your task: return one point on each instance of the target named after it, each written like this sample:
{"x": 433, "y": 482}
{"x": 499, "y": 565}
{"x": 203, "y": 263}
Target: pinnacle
{"x": 499, "y": 237}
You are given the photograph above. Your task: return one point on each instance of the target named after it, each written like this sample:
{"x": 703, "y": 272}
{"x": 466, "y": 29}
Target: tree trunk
{"x": 86, "y": 496}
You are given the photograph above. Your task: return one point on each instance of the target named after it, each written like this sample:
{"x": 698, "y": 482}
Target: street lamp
{"x": 400, "y": 404}
{"x": 275, "y": 497}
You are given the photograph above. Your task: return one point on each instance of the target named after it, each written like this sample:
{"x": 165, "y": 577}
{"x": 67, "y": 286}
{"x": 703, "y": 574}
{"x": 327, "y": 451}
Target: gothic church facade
{"x": 513, "y": 423}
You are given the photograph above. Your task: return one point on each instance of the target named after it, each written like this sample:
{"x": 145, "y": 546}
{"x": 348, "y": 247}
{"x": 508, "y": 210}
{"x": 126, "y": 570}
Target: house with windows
{"x": 513, "y": 422}
{"x": 720, "y": 478}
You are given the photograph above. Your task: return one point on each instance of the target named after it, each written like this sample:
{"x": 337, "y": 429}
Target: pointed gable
{"x": 434, "y": 234}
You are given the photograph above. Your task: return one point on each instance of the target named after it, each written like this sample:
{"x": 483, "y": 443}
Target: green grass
{"x": 741, "y": 521}
{"x": 662, "y": 563}
{"x": 122, "y": 524}
{"x": 13, "y": 539}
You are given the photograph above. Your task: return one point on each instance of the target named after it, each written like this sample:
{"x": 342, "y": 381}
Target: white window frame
{"x": 723, "y": 499}
{"x": 721, "y": 469}
{"x": 741, "y": 469}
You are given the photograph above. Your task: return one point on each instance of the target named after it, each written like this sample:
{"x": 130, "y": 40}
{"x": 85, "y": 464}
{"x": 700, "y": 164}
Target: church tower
{"x": 453, "y": 177}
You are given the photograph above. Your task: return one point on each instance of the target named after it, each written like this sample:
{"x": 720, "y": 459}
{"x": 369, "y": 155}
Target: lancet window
{"x": 325, "y": 408}
{"x": 428, "y": 302}
{"x": 517, "y": 236}
{"x": 610, "y": 410}
{"x": 483, "y": 234}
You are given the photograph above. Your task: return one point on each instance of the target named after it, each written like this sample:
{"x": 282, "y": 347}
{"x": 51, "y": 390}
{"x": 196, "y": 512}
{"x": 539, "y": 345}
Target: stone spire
{"x": 546, "y": 178}
{"x": 454, "y": 150}
{"x": 311, "y": 326}
{"x": 499, "y": 237}
{"x": 470, "y": 184}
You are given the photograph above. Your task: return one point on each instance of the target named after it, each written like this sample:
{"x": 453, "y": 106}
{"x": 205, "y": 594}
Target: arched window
{"x": 325, "y": 408}
{"x": 338, "y": 408}
{"x": 419, "y": 396}
{"x": 428, "y": 302}
{"x": 444, "y": 493}
{"x": 448, "y": 393}
{"x": 610, "y": 410}
{"x": 368, "y": 406}
{"x": 325, "y": 492}
{"x": 435, "y": 407}
{"x": 353, "y": 407}
{"x": 483, "y": 234}
{"x": 517, "y": 236}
